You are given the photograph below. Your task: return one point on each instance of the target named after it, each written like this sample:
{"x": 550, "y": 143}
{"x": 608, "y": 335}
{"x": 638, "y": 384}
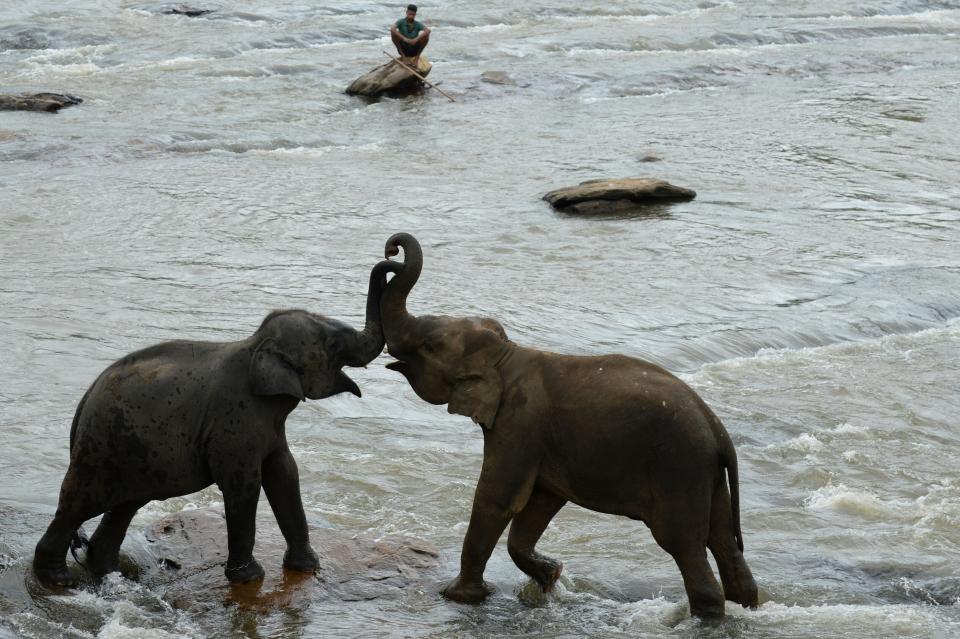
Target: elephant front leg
{"x": 240, "y": 496}
{"x": 281, "y": 482}
{"x": 501, "y": 492}
{"x": 525, "y": 530}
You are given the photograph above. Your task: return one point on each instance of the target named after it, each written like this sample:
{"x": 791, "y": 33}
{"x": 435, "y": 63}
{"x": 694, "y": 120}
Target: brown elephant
{"x": 610, "y": 433}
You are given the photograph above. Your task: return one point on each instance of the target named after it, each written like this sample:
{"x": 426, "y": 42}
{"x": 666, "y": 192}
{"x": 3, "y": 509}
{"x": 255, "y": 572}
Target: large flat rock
{"x": 189, "y": 549}
{"x": 391, "y": 77}
{"x": 598, "y": 196}
{"x": 176, "y": 563}
{"x": 48, "y": 102}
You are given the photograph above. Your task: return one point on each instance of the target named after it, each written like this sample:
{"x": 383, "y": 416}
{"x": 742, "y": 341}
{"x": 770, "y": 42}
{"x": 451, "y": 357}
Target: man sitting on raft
{"x": 410, "y": 36}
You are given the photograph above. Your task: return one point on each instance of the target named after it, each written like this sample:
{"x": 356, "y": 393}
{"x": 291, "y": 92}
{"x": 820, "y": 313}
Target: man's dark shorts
{"x": 410, "y": 50}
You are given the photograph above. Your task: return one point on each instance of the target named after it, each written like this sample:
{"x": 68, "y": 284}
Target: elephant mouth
{"x": 341, "y": 384}
{"x": 401, "y": 367}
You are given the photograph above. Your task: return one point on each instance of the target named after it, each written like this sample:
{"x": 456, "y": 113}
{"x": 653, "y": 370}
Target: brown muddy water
{"x": 811, "y": 292}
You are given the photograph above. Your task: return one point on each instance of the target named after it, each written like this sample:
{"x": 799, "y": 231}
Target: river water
{"x": 811, "y": 292}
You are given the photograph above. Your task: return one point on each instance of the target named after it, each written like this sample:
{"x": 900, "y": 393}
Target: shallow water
{"x": 811, "y": 292}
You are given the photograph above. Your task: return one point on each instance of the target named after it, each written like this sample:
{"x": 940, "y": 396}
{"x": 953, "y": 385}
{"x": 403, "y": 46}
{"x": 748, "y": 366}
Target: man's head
{"x": 411, "y": 12}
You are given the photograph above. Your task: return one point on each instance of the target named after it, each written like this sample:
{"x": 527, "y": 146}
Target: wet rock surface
{"x": 611, "y": 196}
{"x": 48, "y": 102}
{"x": 189, "y": 549}
{"x": 177, "y": 562}
{"x": 389, "y": 78}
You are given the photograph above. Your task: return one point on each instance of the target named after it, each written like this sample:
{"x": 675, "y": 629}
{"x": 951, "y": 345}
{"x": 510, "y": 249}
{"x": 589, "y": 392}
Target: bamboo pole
{"x": 411, "y": 70}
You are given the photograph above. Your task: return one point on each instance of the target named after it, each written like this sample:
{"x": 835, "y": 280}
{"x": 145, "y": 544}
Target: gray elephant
{"x": 610, "y": 433}
{"x": 176, "y": 417}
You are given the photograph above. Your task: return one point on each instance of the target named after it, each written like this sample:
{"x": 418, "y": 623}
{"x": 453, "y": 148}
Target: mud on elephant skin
{"x": 174, "y": 418}
{"x": 610, "y": 433}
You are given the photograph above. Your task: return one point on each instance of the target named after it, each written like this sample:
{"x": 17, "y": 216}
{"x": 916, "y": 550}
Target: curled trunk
{"x": 393, "y": 304}
{"x": 368, "y": 343}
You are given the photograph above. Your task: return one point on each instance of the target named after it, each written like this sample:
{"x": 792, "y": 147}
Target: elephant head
{"x": 446, "y": 360}
{"x": 300, "y": 354}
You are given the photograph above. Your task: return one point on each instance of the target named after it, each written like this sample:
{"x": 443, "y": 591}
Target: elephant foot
{"x": 245, "y": 572}
{"x": 708, "y": 611}
{"x": 742, "y": 589}
{"x": 546, "y": 573}
{"x": 466, "y": 592}
{"x": 100, "y": 566}
{"x": 55, "y": 577}
{"x": 303, "y": 560}
{"x": 748, "y": 597}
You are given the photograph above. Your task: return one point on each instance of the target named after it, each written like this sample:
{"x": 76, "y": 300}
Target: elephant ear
{"x": 271, "y": 374}
{"x": 477, "y": 395}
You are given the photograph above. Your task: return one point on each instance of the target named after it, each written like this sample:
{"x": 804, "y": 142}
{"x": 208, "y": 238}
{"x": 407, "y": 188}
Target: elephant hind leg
{"x": 103, "y": 555}
{"x": 738, "y": 583}
{"x": 680, "y": 525}
{"x": 76, "y": 506}
{"x": 525, "y": 530}
{"x": 703, "y": 591}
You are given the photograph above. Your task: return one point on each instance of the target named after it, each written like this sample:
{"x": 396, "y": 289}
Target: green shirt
{"x": 408, "y": 30}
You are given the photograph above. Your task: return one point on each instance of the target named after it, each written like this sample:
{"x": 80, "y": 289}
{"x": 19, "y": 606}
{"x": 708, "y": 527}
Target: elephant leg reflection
{"x": 281, "y": 483}
{"x": 103, "y": 555}
{"x": 525, "y": 530}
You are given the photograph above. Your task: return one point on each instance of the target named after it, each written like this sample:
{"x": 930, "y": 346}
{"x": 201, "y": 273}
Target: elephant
{"x": 179, "y": 416}
{"x": 610, "y": 433}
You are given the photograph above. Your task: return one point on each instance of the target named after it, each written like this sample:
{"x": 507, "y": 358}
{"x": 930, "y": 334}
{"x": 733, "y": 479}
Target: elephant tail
{"x": 728, "y": 459}
{"x": 733, "y": 478}
{"x": 79, "y": 541}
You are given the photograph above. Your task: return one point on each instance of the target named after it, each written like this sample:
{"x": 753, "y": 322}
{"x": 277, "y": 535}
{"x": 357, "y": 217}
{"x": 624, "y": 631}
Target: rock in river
{"x": 391, "y": 77}
{"x": 49, "y": 102}
{"x": 190, "y": 12}
{"x": 497, "y": 77}
{"x": 189, "y": 549}
{"x": 611, "y": 196}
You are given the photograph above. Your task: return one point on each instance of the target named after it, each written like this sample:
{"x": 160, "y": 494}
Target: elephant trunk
{"x": 368, "y": 343}
{"x": 393, "y": 304}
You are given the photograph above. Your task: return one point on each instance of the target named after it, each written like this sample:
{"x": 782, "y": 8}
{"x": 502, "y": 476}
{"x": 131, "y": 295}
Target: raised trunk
{"x": 393, "y": 304}
{"x": 368, "y": 343}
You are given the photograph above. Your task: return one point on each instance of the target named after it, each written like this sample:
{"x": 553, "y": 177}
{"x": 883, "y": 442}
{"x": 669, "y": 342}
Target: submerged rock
{"x": 189, "y": 550}
{"x": 611, "y": 196}
{"x": 497, "y": 77}
{"x": 190, "y": 12}
{"x": 49, "y": 102}
{"x": 23, "y": 39}
{"x": 389, "y": 78}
